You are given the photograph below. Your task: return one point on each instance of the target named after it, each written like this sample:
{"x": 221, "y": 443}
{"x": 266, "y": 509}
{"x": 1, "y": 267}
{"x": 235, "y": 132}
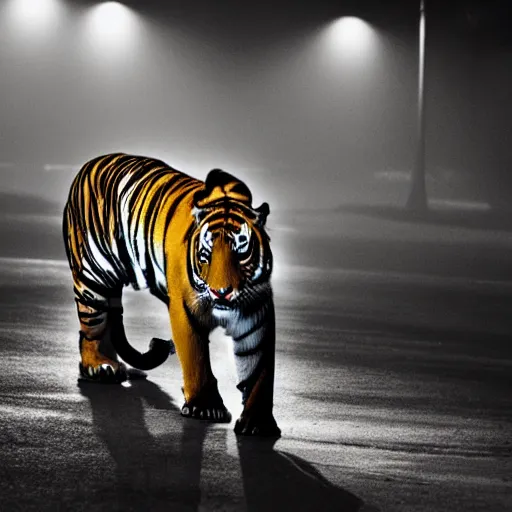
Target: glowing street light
{"x": 29, "y": 18}
{"x": 352, "y": 35}
{"x": 354, "y": 42}
{"x": 111, "y": 27}
{"x": 351, "y": 39}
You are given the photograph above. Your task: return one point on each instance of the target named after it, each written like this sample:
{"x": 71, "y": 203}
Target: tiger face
{"x": 231, "y": 261}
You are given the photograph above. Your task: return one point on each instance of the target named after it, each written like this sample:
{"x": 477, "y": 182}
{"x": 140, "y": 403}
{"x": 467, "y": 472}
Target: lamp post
{"x": 417, "y": 200}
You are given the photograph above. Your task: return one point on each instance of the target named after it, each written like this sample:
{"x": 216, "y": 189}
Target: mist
{"x": 309, "y": 118}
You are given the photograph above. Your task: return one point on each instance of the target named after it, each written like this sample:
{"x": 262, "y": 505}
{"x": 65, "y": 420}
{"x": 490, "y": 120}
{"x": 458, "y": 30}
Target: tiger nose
{"x": 222, "y": 293}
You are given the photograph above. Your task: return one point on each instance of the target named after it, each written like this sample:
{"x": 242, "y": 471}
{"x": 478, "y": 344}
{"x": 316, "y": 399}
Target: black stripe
{"x": 234, "y": 205}
{"x": 84, "y": 314}
{"x": 219, "y": 215}
{"x": 126, "y": 261}
{"x": 96, "y": 288}
{"x": 189, "y": 232}
{"x": 186, "y": 189}
{"x": 192, "y": 268}
{"x": 252, "y": 330}
{"x": 99, "y": 305}
{"x": 93, "y": 322}
{"x": 152, "y": 215}
{"x": 149, "y": 272}
{"x": 245, "y": 386}
{"x": 250, "y": 352}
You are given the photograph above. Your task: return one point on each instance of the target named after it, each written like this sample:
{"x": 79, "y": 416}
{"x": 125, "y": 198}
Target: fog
{"x": 310, "y": 114}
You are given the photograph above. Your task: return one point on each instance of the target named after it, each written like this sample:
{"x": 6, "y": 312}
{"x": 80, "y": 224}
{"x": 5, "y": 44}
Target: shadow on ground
{"x": 155, "y": 472}
{"x": 280, "y": 481}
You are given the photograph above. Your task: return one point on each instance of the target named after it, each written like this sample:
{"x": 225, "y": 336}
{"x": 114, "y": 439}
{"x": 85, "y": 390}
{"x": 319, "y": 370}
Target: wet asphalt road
{"x": 393, "y": 392}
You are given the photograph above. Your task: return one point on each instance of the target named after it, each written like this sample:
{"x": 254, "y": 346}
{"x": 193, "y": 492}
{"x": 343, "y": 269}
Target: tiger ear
{"x": 220, "y": 185}
{"x": 262, "y": 212}
{"x": 216, "y": 178}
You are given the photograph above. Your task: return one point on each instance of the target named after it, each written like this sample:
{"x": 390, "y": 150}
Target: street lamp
{"x": 32, "y": 17}
{"x": 111, "y": 28}
{"x": 355, "y": 39}
{"x": 351, "y": 39}
{"x": 417, "y": 200}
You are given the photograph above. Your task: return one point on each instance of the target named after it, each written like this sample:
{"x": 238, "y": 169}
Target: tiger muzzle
{"x": 222, "y": 298}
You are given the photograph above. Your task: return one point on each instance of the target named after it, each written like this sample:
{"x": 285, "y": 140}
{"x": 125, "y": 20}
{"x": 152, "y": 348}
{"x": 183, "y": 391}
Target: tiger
{"x": 198, "y": 246}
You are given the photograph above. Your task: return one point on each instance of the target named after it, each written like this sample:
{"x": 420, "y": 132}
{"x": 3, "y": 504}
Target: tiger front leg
{"x": 255, "y": 361}
{"x": 202, "y": 397}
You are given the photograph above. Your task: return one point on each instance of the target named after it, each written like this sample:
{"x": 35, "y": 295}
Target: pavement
{"x": 393, "y": 385}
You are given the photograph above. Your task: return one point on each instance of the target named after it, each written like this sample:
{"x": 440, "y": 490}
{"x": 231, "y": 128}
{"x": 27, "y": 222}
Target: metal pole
{"x": 418, "y": 193}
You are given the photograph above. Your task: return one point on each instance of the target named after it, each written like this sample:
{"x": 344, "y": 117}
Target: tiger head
{"x": 230, "y": 261}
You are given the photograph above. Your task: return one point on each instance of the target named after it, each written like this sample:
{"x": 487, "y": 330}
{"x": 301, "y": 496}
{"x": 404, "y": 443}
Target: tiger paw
{"x": 208, "y": 405}
{"x": 105, "y": 373}
{"x": 263, "y": 426}
{"x": 212, "y": 413}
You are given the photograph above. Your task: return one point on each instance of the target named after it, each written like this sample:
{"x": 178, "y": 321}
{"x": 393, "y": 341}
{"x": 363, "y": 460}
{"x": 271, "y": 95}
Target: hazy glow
{"x": 111, "y": 26}
{"x": 33, "y": 16}
{"x": 352, "y": 38}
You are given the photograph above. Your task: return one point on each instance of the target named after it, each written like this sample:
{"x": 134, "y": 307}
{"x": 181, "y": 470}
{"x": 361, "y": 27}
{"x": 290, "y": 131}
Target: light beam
{"x": 351, "y": 38}
{"x": 112, "y": 28}
{"x": 33, "y": 17}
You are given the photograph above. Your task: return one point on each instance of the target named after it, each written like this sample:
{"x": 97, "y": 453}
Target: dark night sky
{"x": 262, "y": 90}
